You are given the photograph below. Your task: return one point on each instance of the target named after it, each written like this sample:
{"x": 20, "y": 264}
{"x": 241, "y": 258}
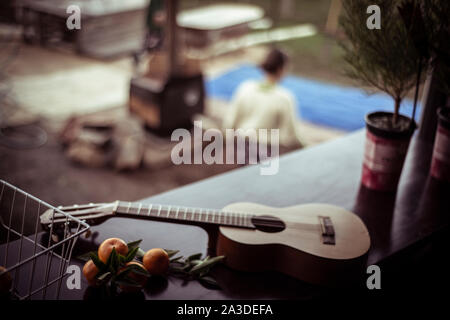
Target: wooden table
{"x": 209, "y": 24}
{"x": 327, "y": 173}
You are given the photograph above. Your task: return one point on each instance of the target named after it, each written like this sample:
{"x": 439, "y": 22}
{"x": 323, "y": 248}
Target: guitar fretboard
{"x": 197, "y": 215}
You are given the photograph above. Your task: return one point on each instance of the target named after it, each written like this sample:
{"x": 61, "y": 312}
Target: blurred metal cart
{"x": 34, "y": 261}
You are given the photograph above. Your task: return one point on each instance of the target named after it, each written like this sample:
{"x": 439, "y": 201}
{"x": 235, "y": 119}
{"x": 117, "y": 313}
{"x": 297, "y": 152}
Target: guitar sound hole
{"x": 268, "y": 223}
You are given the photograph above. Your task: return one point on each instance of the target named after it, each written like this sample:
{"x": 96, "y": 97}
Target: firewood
{"x": 87, "y": 154}
{"x": 98, "y": 138}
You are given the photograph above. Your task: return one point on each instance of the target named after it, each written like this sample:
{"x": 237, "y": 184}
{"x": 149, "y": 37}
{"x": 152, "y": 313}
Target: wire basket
{"x": 35, "y": 258}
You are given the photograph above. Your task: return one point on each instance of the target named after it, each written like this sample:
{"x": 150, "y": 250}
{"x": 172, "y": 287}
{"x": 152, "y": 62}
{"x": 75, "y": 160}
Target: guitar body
{"x": 298, "y": 250}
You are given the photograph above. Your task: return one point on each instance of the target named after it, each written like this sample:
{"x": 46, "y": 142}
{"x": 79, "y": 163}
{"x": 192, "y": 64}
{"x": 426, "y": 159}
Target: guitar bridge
{"x": 328, "y": 236}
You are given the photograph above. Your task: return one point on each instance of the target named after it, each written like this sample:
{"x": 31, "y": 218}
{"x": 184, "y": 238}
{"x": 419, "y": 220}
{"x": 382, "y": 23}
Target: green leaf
{"x": 196, "y": 256}
{"x": 140, "y": 253}
{"x": 187, "y": 267}
{"x": 207, "y": 263}
{"x": 86, "y": 256}
{"x": 131, "y": 254}
{"x": 122, "y": 259}
{"x": 171, "y": 253}
{"x": 178, "y": 269}
{"x": 176, "y": 259}
{"x": 204, "y": 272}
{"x": 98, "y": 263}
{"x": 104, "y": 276}
{"x": 196, "y": 262}
{"x": 122, "y": 274}
{"x": 113, "y": 261}
{"x": 134, "y": 244}
{"x": 210, "y": 281}
{"x": 138, "y": 270}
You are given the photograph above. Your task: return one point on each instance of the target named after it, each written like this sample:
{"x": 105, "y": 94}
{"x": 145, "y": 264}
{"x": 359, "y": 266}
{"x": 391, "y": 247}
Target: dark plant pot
{"x": 440, "y": 164}
{"x": 385, "y": 151}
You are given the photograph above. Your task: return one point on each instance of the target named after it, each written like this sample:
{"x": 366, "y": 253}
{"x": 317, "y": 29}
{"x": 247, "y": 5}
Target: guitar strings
{"x": 266, "y": 221}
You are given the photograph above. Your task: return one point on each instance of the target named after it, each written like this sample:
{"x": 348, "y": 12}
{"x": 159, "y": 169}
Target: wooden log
{"x": 87, "y": 154}
{"x": 98, "y": 138}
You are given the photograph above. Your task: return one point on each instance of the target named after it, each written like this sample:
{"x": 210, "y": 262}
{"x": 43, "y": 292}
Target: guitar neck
{"x": 184, "y": 215}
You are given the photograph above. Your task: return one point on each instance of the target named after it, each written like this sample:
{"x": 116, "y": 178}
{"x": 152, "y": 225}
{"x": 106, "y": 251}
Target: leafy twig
{"x": 115, "y": 272}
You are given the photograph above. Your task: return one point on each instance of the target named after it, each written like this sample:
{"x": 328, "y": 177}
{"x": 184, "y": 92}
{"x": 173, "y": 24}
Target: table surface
{"x": 219, "y": 16}
{"x": 326, "y": 173}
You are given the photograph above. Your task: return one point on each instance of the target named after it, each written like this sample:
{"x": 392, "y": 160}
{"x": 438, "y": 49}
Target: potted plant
{"x": 440, "y": 163}
{"x": 385, "y": 59}
{"x": 435, "y": 15}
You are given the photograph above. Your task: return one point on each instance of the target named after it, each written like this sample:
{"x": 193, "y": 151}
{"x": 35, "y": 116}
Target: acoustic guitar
{"x": 317, "y": 243}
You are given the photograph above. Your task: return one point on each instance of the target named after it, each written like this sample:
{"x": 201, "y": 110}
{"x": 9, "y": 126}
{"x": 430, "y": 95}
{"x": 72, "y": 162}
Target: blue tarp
{"x": 320, "y": 103}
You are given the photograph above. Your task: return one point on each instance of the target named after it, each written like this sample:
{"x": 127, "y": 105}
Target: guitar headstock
{"x": 93, "y": 214}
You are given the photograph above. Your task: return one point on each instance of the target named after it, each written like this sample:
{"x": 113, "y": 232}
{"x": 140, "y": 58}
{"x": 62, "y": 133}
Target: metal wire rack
{"x": 35, "y": 258}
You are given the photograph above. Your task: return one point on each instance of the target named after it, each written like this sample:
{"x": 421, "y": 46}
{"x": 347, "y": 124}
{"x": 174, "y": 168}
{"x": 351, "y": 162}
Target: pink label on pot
{"x": 383, "y": 155}
{"x": 440, "y": 166}
{"x": 383, "y": 162}
{"x": 441, "y": 149}
{"x": 379, "y": 180}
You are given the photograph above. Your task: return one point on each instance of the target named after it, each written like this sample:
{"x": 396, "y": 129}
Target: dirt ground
{"x": 48, "y": 85}
{"x": 46, "y": 173}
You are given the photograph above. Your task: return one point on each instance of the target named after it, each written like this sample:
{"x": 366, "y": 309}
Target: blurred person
{"x": 154, "y": 36}
{"x": 265, "y": 104}
{"x": 156, "y": 18}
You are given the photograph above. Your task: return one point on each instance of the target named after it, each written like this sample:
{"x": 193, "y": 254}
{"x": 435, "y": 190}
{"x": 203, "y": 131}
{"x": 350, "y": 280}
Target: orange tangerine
{"x": 156, "y": 261}
{"x": 90, "y": 271}
{"x": 105, "y": 249}
{"x": 5, "y": 281}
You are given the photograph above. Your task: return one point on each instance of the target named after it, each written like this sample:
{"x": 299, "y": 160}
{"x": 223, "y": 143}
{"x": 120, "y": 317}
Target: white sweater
{"x": 259, "y": 105}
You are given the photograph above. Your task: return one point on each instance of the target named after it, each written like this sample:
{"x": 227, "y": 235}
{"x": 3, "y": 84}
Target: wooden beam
{"x": 172, "y": 35}
{"x": 333, "y": 17}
